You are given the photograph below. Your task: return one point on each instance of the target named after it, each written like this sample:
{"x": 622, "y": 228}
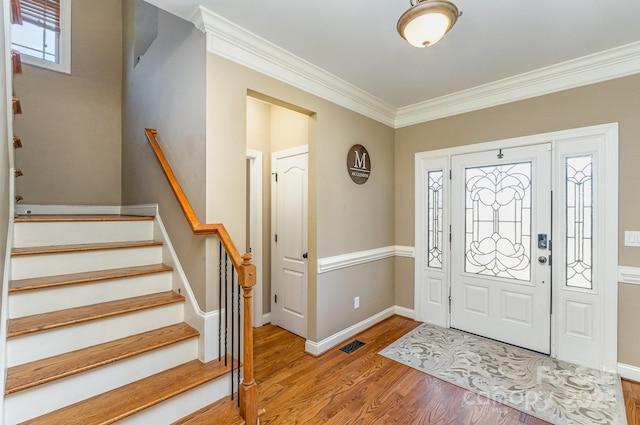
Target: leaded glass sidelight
{"x": 579, "y": 221}
{"x": 498, "y": 220}
{"x": 434, "y": 219}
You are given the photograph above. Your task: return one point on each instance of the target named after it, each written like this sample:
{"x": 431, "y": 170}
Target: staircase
{"x": 96, "y": 333}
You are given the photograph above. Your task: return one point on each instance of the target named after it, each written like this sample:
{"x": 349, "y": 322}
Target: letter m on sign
{"x": 360, "y": 161}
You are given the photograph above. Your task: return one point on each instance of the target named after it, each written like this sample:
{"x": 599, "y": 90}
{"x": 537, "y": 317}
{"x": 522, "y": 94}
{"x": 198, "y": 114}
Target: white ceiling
{"x": 357, "y": 41}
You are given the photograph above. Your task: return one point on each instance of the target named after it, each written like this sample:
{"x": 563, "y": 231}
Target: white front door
{"x": 289, "y": 281}
{"x": 500, "y": 228}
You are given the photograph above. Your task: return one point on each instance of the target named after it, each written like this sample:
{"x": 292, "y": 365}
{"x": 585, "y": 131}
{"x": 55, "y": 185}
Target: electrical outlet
{"x": 356, "y": 303}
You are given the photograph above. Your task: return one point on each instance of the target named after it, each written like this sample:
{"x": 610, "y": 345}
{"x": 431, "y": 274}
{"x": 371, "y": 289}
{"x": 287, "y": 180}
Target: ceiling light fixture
{"x": 427, "y": 21}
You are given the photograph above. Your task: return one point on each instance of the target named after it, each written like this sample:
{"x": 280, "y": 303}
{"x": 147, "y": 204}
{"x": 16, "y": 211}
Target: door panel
{"x": 290, "y": 285}
{"x": 500, "y": 203}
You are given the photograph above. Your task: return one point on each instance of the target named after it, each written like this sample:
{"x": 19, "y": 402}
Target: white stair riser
{"x": 180, "y": 406}
{"x": 69, "y": 232}
{"x": 39, "y": 345}
{"x": 45, "y": 398}
{"x": 27, "y": 303}
{"x": 28, "y": 266}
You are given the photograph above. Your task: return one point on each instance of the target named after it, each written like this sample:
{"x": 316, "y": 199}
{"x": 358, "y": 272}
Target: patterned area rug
{"x": 552, "y": 390}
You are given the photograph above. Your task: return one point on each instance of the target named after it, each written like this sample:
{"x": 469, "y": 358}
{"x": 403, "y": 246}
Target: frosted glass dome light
{"x": 427, "y": 21}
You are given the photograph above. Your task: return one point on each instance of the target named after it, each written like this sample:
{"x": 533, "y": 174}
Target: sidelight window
{"x": 579, "y": 179}
{"x": 434, "y": 219}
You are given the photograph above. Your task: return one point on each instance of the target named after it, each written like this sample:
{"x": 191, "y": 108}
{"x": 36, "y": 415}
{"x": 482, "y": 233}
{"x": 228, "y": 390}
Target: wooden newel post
{"x": 248, "y": 389}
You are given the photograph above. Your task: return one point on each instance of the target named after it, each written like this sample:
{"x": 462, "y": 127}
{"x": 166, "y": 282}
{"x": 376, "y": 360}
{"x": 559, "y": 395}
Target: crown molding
{"x": 232, "y": 42}
{"x": 606, "y": 65}
{"x": 228, "y": 40}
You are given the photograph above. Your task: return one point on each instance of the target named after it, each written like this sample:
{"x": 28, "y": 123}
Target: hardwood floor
{"x": 357, "y": 388}
{"x": 363, "y": 387}
{"x": 631, "y": 392}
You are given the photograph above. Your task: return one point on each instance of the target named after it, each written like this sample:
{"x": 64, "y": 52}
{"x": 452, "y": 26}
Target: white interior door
{"x": 500, "y": 227}
{"x": 289, "y": 283}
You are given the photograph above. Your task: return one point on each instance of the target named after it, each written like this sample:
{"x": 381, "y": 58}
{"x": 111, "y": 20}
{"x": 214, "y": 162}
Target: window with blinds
{"x": 40, "y": 32}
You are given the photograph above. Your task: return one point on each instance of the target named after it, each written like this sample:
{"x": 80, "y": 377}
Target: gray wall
{"x": 165, "y": 91}
{"x": 71, "y": 124}
{"x": 343, "y": 217}
{"x": 611, "y": 101}
{"x": 6, "y": 144}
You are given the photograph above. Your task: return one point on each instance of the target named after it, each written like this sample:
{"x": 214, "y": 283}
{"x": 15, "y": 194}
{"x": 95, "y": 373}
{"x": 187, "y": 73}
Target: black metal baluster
{"x": 220, "y": 303}
{"x": 233, "y": 329}
{"x": 226, "y": 310}
{"x": 239, "y": 343}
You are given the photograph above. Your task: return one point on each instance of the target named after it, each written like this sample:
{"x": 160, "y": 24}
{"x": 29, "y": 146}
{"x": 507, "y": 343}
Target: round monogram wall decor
{"x": 358, "y": 164}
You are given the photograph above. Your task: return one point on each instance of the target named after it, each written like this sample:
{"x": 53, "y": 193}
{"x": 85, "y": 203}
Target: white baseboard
{"x": 266, "y": 318}
{"x": 141, "y": 210}
{"x": 27, "y": 209}
{"x": 404, "y": 312}
{"x": 145, "y": 210}
{"x": 317, "y": 348}
{"x": 629, "y": 372}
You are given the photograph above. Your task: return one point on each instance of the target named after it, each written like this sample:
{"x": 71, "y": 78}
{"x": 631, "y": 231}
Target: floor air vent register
{"x": 352, "y": 346}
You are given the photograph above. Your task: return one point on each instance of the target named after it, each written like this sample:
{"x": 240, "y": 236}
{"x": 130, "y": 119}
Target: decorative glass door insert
{"x": 498, "y": 220}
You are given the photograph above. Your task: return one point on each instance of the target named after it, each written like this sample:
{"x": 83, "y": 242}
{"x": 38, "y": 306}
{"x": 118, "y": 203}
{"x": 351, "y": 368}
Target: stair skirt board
{"x": 39, "y": 345}
{"x": 27, "y": 303}
{"x": 28, "y": 266}
{"x": 54, "y": 395}
{"x": 69, "y": 233}
{"x": 184, "y": 404}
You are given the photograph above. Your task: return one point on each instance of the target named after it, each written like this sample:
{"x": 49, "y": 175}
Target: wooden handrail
{"x": 246, "y": 279}
{"x": 192, "y": 219}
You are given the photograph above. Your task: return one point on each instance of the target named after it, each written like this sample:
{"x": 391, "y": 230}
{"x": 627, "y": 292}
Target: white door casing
{"x": 255, "y": 226}
{"x": 289, "y": 243}
{"x": 500, "y": 202}
{"x": 583, "y": 319}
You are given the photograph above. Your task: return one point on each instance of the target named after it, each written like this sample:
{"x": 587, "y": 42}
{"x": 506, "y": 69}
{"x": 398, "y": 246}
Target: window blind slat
{"x": 42, "y": 12}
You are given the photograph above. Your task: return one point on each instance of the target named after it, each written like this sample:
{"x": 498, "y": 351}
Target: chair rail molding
{"x": 629, "y": 275}
{"x": 351, "y": 259}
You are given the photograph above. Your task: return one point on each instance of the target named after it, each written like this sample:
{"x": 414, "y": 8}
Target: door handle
{"x": 305, "y": 255}
{"x": 542, "y": 259}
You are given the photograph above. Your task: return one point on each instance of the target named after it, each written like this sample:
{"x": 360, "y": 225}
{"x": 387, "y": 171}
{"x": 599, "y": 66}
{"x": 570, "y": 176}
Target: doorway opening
{"x": 274, "y": 130}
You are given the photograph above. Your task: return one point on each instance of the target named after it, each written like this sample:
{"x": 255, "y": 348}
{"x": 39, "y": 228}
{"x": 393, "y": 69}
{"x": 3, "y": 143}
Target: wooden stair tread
{"x": 125, "y": 401}
{"x": 16, "y": 62}
{"x": 59, "y": 249}
{"x": 16, "y": 12}
{"x": 223, "y": 411}
{"x": 20, "y": 285}
{"x": 48, "y": 218}
{"x": 35, "y": 373}
{"x": 17, "y": 107}
{"x": 56, "y": 319}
